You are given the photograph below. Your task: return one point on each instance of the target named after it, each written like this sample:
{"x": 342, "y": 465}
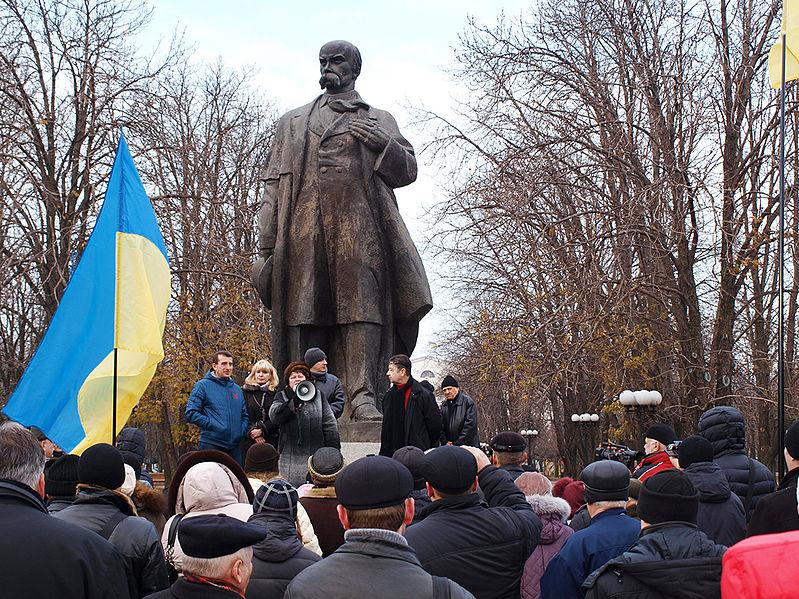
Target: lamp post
{"x": 640, "y": 404}
{"x": 587, "y": 422}
{"x": 530, "y": 434}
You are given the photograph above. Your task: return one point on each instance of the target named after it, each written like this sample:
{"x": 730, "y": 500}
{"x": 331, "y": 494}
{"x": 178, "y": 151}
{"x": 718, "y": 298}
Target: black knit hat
{"x": 61, "y": 477}
{"x": 449, "y": 381}
{"x": 373, "y": 482}
{"x": 661, "y": 432}
{"x": 449, "y": 469}
{"x": 325, "y": 464}
{"x": 276, "y": 497}
{"x": 132, "y": 460}
{"x": 101, "y": 465}
{"x": 314, "y": 355}
{"x": 694, "y": 449}
{"x": 208, "y": 537}
{"x": 411, "y": 457}
{"x": 667, "y": 497}
{"x": 261, "y": 457}
{"x": 792, "y": 440}
{"x": 606, "y": 480}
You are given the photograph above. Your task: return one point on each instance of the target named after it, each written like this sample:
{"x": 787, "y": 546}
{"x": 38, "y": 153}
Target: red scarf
{"x": 407, "y": 391}
{"x": 211, "y": 583}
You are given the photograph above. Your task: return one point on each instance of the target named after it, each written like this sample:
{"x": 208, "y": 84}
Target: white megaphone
{"x": 305, "y": 390}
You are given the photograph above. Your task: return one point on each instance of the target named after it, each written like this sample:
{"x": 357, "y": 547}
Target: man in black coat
{"x": 111, "y": 514}
{"x": 329, "y": 385}
{"x": 410, "y": 412}
{"x": 482, "y": 548}
{"x": 721, "y": 514}
{"x": 750, "y": 480}
{"x": 375, "y": 560}
{"x": 217, "y": 558}
{"x": 671, "y": 555}
{"x": 777, "y": 512}
{"x": 41, "y": 556}
{"x": 458, "y": 415}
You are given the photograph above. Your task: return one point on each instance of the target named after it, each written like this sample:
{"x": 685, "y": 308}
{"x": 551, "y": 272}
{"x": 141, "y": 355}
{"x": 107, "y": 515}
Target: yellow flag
{"x": 790, "y": 27}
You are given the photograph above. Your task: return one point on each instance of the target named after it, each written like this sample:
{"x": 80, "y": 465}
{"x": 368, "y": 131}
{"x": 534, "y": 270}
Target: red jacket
{"x": 761, "y": 567}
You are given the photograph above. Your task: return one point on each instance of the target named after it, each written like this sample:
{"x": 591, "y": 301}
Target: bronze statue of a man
{"x": 337, "y": 266}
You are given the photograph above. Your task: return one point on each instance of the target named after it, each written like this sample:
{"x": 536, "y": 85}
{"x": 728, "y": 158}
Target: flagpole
{"x": 781, "y": 282}
{"x": 114, "y": 403}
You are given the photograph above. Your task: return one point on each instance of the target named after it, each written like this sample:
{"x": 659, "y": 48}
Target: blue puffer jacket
{"x": 610, "y": 534}
{"x": 217, "y": 406}
{"x": 724, "y": 427}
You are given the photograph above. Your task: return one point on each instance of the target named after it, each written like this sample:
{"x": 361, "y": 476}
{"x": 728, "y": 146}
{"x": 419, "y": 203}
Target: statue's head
{"x": 340, "y": 65}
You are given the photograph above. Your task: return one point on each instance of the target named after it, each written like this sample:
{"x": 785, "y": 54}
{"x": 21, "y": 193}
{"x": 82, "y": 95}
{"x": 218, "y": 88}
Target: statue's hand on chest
{"x": 370, "y": 133}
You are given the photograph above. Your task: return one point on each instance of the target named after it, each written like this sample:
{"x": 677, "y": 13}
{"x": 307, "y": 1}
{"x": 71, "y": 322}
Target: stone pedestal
{"x": 359, "y": 432}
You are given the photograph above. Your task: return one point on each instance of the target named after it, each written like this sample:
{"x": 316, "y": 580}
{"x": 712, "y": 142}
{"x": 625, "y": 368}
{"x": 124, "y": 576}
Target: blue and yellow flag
{"x": 790, "y": 27}
{"x": 116, "y": 298}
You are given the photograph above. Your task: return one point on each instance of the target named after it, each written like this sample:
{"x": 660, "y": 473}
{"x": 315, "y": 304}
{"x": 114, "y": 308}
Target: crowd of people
{"x": 432, "y": 516}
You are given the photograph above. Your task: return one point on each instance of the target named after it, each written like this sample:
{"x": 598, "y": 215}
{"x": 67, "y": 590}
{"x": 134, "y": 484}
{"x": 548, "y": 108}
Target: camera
{"x": 617, "y": 453}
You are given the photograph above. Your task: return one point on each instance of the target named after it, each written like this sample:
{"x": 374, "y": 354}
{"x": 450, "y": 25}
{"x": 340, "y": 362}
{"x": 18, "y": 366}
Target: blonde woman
{"x": 259, "y": 390}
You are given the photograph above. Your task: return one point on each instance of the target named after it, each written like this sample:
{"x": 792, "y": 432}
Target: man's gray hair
{"x": 21, "y": 455}
{"x": 216, "y": 568}
{"x": 610, "y": 504}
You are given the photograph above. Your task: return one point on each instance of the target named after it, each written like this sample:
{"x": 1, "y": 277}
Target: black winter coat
{"x": 669, "y": 560}
{"x": 724, "y": 427}
{"x": 421, "y": 503}
{"x": 419, "y": 425}
{"x": 372, "y": 564}
{"x": 134, "y": 537}
{"x": 459, "y": 421}
{"x": 777, "y": 512}
{"x": 258, "y": 401}
{"x": 278, "y": 558}
{"x": 483, "y": 549}
{"x": 43, "y": 557}
{"x": 332, "y": 392}
{"x": 182, "y": 589}
{"x": 721, "y": 514}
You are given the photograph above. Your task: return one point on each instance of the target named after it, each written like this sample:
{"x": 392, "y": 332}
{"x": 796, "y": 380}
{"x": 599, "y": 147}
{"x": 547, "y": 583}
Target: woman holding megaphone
{"x": 306, "y": 423}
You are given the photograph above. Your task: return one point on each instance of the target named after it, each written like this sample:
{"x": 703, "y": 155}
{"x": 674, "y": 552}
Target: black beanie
{"x": 449, "y": 381}
{"x": 662, "y": 433}
{"x": 668, "y": 496}
{"x": 694, "y": 449}
{"x": 792, "y": 440}
{"x": 101, "y": 465}
{"x": 411, "y": 457}
{"x": 314, "y": 355}
{"x": 61, "y": 477}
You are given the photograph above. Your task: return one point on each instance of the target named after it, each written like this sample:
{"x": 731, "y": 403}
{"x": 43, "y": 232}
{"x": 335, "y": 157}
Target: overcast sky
{"x": 406, "y": 47}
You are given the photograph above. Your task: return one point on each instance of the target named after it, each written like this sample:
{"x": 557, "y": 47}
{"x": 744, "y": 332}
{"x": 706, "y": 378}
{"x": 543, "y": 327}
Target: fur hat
{"x": 293, "y": 366}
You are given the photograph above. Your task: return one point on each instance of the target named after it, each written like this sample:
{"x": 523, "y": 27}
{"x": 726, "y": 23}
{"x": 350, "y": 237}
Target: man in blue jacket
{"x": 217, "y": 406}
{"x": 611, "y": 532}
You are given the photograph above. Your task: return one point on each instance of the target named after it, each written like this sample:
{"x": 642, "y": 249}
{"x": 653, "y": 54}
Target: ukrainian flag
{"x": 116, "y": 299}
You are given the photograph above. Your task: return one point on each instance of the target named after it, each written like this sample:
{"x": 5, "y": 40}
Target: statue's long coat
{"x": 292, "y": 165}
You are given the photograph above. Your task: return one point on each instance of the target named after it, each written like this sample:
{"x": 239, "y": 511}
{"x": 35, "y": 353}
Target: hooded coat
{"x": 553, "y": 513}
{"x": 777, "y": 512}
{"x": 304, "y": 428}
{"x": 44, "y": 557}
{"x": 721, "y": 514}
{"x": 151, "y": 505}
{"x": 670, "y": 560}
{"x": 208, "y": 488}
{"x": 216, "y": 405}
{"x": 724, "y": 427}
{"x": 134, "y": 537}
{"x": 278, "y": 558}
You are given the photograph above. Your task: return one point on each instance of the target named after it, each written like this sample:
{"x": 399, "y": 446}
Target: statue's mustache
{"x": 329, "y": 80}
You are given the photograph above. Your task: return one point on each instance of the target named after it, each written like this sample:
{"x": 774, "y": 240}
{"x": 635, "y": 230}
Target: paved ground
{"x": 353, "y": 451}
